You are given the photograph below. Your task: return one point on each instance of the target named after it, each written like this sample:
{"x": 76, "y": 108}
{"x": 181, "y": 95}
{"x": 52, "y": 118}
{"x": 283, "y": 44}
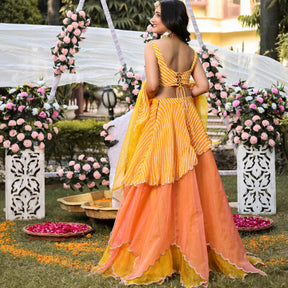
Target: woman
{"x": 174, "y": 216}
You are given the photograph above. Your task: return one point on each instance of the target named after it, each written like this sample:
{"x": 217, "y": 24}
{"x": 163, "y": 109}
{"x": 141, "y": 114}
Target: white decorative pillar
{"x": 256, "y": 180}
{"x": 25, "y": 185}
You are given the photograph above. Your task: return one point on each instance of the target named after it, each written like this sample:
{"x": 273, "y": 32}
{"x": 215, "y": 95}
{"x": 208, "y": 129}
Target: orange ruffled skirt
{"x": 174, "y": 216}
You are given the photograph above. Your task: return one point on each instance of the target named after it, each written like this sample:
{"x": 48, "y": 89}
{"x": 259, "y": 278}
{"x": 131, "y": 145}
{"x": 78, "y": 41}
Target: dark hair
{"x": 175, "y": 18}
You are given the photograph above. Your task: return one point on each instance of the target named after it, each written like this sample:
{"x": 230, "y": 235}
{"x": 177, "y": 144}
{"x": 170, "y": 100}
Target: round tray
{"x": 56, "y": 237}
{"x": 255, "y": 229}
{"x": 102, "y": 211}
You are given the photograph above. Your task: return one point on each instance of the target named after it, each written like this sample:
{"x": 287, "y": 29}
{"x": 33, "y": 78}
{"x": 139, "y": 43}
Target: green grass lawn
{"x": 33, "y": 263}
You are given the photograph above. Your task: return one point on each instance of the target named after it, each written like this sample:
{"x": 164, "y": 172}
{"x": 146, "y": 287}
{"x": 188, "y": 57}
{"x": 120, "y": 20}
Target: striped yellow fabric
{"x": 169, "y": 144}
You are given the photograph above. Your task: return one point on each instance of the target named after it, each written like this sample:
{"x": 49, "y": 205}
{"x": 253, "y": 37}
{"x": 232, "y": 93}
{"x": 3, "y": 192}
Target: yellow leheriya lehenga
{"x": 174, "y": 216}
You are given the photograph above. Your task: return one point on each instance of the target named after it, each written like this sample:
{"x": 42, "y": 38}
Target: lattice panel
{"x": 25, "y": 185}
{"x": 256, "y": 180}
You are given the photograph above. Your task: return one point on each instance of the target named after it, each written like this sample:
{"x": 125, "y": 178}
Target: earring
{"x": 166, "y": 34}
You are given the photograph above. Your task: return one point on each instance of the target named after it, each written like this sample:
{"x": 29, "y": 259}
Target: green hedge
{"x": 75, "y": 137}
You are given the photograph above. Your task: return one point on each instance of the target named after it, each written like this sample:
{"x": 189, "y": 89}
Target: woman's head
{"x": 174, "y": 17}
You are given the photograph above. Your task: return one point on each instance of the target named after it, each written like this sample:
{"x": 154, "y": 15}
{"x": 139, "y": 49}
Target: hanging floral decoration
{"x": 26, "y": 118}
{"x": 149, "y": 35}
{"x": 255, "y": 114}
{"x": 85, "y": 171}
{"x": 68, "y": 42}
{"x": 219, "y": 91}
{"x": 108, "y": 139}
{"x": 131, "y": 83}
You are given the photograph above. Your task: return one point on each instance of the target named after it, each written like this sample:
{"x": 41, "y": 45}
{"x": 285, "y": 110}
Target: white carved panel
{"x": 256, "y": 180}
{"x": 25, "y": 185}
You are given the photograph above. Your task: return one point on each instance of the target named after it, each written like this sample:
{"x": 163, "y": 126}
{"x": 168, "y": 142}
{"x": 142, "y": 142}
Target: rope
{"x": 113, "y": 33}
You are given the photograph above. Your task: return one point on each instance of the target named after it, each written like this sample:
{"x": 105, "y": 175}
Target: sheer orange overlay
{"x": 174, "y": 216}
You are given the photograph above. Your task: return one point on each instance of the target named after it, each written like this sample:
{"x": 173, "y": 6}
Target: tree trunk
{"x": 53, "y": 12}
{"x": 269, "y": 28}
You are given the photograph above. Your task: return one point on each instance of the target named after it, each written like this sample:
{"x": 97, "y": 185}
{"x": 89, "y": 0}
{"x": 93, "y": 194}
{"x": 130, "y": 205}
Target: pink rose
{"x": 66, "y": 186}
{"x": 90, "y": 159}
{"x": 248, "y": 122}
{"x": 59, "y": 43}
{"x": 74, "y": 40}
{"x": 49, "y": 136}
{"x": 125, "y": 86}
{"x": 61, "y": 172}
{"x": 77, "y": 185}
{"x": 20, "y": 121}
{"x": 103, "y": 133}
{"x": 3, "y": 125}
{"x": 96, "y": 165}
{"x": 238, "y": 112}
{"x": 260, "y": 99}
{"x": 91, "y": 185}
{"x": 85, "y": 29}
{"x": 74, "y": 17}
{"x": 212, "y": 95}
{"x": 27, "y": 143}
{"x": 23, "y": 94}
{"x": 96, "y": 175}
{"x": 69, "y": 14}
{"x": 270, "y": 128}
{"x": 205, "y": 65}
{"x": 34, "y": 134}
{"x": 256, "y": 128}
{"x": 41, "y": 146}
{"x": 128, "y": 100}
{"x": 62, "y": 34}
{"x": 77, "y": 32}
{"x": 66, "y": 40}
{"x": 236, "y": 103}
{"x": 77, "y": 167}
{"x": 72, "y": 51}
{"x": 214, "y": 63}
{"x": 218, "y": 102}
{"x": 41, "y": 137}
{"x": 86, "y": 167}
{"x": 236, "y": 140}
{"x": 265, "y": 123}
{"x": 217, "y": 86}
{"x": 73, "y": 71}
{"x": 253, "y": 106}
{"x": 62, "y": 67}
{"x": 129, "y": 74}
{"x": 244, "y": 86}
{"x": 9, "y": 105}
{"x": 245, "y": 136}
{"x": 38, "y": 124}
{"x": 105, "y": 183}
{"x": 103, "y": 160}
{"x": 275, "y": 91}
{"x": 105, "y": 170}
{"x": 82, "y": 177}
{"x": 45, "y": 125}
{"x": 41, "y": 90}
{"x": 55, "y": 114}
{"x": 20, "y": 137}
{"x": 1, "y": 138}
{"x": 137, "y": 77}
{"x": 57, "y": 71}
{"x": 81, "y": 157}
{"x": 210, "y": 74}
{"x": 271, "y": 143}
{"x": 145, "y": 35}
{"x": 106, "y": 126}
{"x": 239, "y": 129}
{"x": 15, "y": 148}
{"x": 6, "y": 144}
{"x": 71, "y": 163}
{"x": 210, "y": 51}
{"x": 225, "y": 114}
{"x": 236, "y": 83}
{"x": 50, "y": 120}
{"x": 264, "y": 136}
{"x": 12, "y": 123}
{"x": 255, "y": 118}
{"x": 82, "y": 14}
{"x": 205, "y": 56}
{"x": 70, "y": 62}
{"x": 223, "y": 94}
{"x": 21, "y": 107}
{"x": 69, "y": 174}
{"x": 64, "y": 51}
{"x": 253, "y": 140}
{"x": 275, "y": 121}
{"x": 282, "y": 108}
{"x": 74, "y": 25}
{"x": 62, "y": 58}
{"x": 81, "y": 24}
{"x": 55, "y": 130}
{"x": 135, "y": 91}
{"x": 65, "y": 21}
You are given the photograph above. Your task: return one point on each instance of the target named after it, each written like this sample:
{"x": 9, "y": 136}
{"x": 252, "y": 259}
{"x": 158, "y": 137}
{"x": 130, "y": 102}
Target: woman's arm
{"x": 151, "y": 71}
{"x": 201, "y": 82}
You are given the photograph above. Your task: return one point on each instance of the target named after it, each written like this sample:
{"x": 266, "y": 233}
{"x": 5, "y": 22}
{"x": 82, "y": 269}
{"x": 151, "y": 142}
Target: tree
{"x": 53, "y": 12}
{"x": 271, "y": 20}
{"x": 126, "y": 15}
{"x": 20, "y": 12}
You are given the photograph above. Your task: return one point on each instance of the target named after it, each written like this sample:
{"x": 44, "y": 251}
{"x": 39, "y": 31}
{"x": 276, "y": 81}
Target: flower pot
{"x": 25, "y": 185}
{"x": 256, "y": 180}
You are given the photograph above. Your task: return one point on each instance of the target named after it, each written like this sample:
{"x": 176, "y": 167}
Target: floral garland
{"x": 149, "y": 34}
{"x": 85, "y": 171}
{"x": 26, "y": 118}
{"x": 256, "y": 114}
{"x": 68, "y": 44}
{"x": 131, "y": 83}
{"x": 108, "y": 139}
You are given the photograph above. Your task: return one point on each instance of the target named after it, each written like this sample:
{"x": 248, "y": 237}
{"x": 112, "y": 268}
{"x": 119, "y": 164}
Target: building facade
{"x": 218, "y": 24}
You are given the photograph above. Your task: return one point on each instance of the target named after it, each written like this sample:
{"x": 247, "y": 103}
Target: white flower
{"x": 264, "y": 105}
{"x": 35, "y": 111}
{"x": 2, "y": 107}
{"x": 261, "y": 110}
{"x": 47, "y": 106}
{"x": 249, "y": 98}
{"x": 228, "y": 106}
{"x": 40, "y": 83}
{"x": 12, "y": 90}
{"x": 274, "y": 106}
{"x": 56, "y": 105}
{"x": 237, "y": 89}
{"x": 64, "y": 106}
